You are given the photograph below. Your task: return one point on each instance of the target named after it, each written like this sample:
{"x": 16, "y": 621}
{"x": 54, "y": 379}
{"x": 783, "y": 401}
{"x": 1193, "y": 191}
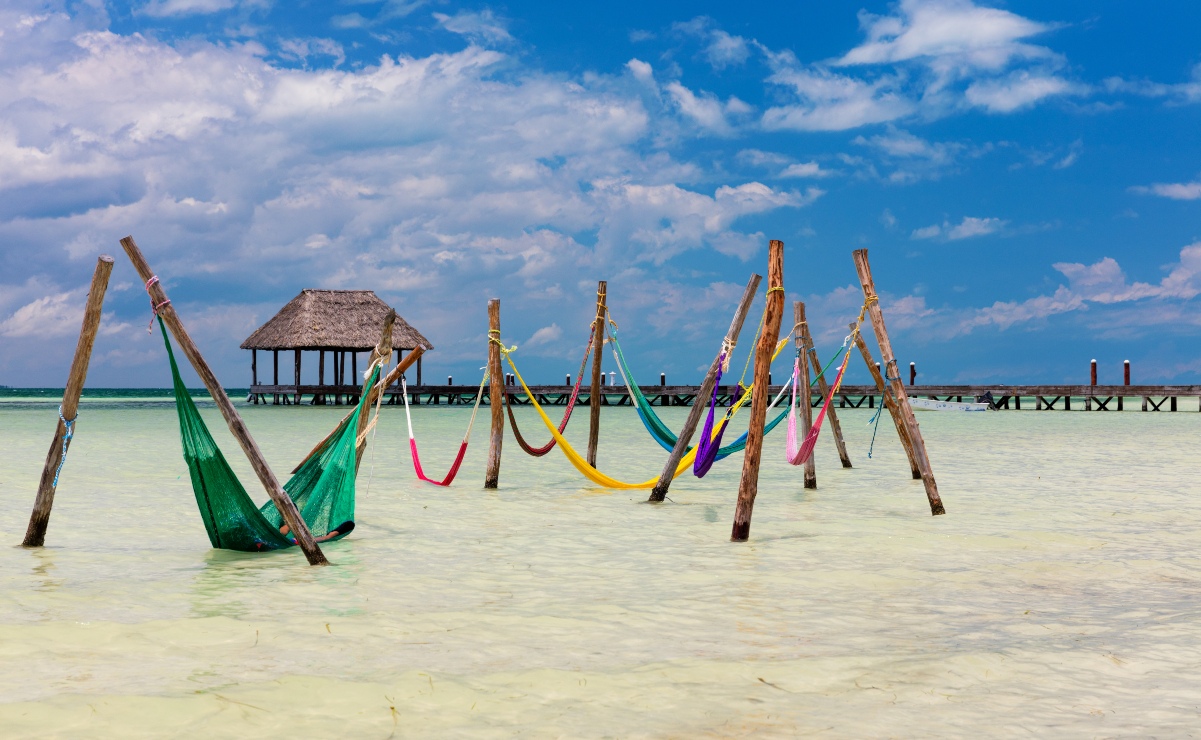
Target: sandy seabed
{"x": 1058, "y": 596}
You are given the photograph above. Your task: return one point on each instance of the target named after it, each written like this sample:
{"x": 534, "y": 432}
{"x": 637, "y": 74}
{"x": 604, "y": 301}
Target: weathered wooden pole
{"x": 496, "y": 389}
{"x": 296, "y": 395}
{"x": 890, "y": 403}
{"x": 1125, "y": 379}
{"x": 594, "y": 400}
{"x": 39, "y": 519}
{"x": 912, "y": 372}
{"x": 892, "y": 377}
{"x": 1092, "y": 374}
{"x": 659, "y": 492}
{"x": 798, "y": 317}
{"x": 237, "y": 427}
{"x": 382, "y": 351}
{"x": 748, "y": 487}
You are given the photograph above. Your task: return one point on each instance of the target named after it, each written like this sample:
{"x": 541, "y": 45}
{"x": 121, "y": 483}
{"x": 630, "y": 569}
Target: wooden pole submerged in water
{"x": 823, "y": 386}
{"x": 893, "y": 379}
{"x": 798, "y": 318}
{"x": 889, "y": 402}
{"x": 598, "y": 344}
{"x": 237, "y": 427}
{"x": 496, "y": 399}
{"x": 39, "y": 519}
{"x": 659, "y": 492}
{"x": 748, "y": 486}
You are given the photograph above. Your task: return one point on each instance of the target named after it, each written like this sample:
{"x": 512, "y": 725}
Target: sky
{"x": 1025, "y": 175}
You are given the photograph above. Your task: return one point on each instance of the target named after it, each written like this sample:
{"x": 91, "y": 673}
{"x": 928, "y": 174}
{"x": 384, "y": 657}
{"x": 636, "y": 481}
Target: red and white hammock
{"x": 454, "y": 468}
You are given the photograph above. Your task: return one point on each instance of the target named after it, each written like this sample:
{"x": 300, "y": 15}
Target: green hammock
{"x": 323, "y": 486}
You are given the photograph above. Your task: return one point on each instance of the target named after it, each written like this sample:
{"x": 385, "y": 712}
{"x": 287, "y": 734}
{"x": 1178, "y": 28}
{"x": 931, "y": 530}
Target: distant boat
{"x": 930, "y": 404}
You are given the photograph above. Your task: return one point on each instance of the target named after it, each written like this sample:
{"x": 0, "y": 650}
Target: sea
{"x": 1060, "y": 595}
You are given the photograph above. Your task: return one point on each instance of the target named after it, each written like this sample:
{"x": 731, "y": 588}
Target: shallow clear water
{"x": 1058, "y": 595}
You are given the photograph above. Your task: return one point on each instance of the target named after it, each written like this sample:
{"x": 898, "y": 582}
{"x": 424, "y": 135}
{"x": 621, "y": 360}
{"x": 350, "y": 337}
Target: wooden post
{"x": 798, "y": 317}
{"x": 418, "y": 371}
{"x": 1092, "y": 375}
{"x": 912, "y": 372}
{"x": 889, "y": 402}
{"x": 659, "y": 492}
{"x": 39, "y": 519}
{"x": 496, "y": 399}
{"x": 296, "y": 394}
{"x": 748, "y": 487}
{"x": 382, "y": 351}
{"x": 237, "y": 427}
{"x": 275, "y": 359}
{"x": 824, "y": 386}
{"x": 1125, "y": 379}
{"x": 254, "y": 367}
{"x": 594, "y": 400}
{"x": 898, "y": 389}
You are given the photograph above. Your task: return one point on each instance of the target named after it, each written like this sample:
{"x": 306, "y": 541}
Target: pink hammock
{"x": 454, "y": 468}
{"x": 795, "y": 455}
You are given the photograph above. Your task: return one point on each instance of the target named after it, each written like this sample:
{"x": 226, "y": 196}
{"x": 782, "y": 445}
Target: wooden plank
{"x": 39, "y": 518}
{"x": 595, "y": 398}
{"x": 893, "y": 378}
{"x": 237, "y": 427}
{"x": 659, "y": 492}
{"x": 748, "y": 486}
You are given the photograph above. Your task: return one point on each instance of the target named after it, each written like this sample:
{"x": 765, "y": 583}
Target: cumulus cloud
{"x": 721, "y": 48}
{"x": 482, "y": 26}
{"x": 805, "y": 169}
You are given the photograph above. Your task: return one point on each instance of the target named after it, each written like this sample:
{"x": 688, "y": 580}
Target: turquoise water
{"x": 1057, "y": 596}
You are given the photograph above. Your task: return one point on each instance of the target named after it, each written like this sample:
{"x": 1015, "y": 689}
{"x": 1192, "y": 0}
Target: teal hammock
{"x": 660, "y": 431}
{"x": 323, "y": 486}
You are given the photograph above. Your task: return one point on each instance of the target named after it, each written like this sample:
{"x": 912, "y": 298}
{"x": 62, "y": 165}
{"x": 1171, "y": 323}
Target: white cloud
{"x": 1173, "y": 190}
{"x": 1018, "y": 90}
{"x": 1181, "y": 93}
{"x": 483, "y": 26}
{"x": 833, "y": 102}
{"x": 969, "y": 227}
{"x": 166, "y": 8}
{"x": 544, "y": 336}
{"x": 805, "y": 169}
{"x": 706, "y": 110}
{"x": 1105, "y": 281}
{"x": 51, "y": 316}
{"x": 725, "y": 50}
{"x": 641, "y": 70}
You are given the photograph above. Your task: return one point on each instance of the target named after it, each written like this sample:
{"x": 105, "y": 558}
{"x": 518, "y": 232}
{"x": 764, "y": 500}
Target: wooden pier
{"x": 1004, "y": 397}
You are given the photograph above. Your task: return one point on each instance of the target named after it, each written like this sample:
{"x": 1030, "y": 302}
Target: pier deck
{"x": 1006, "y": 397}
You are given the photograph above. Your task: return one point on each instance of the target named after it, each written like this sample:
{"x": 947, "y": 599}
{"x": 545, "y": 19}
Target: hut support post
{"x": 418, "y": 371}
{"x": 321, "y": 376}
{"x": 748, "y": 487}
{"x": 296, "y": 394}
{"x": 894, "y": 381}
{"x": 39, "y": 519}
{"x": 496, "y": 387}
{"x": 598, "y": 345}
{"x": 824, "y": 387}
{"x": 889, "y": 403}
{"x": 237, "y": 427}
{"x": 798, "y": 317}
{"x": 659, "y": 492}
{"x": 275, "y": 359}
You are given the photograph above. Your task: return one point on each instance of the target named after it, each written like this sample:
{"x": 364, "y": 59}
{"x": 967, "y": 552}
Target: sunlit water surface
{"x": 1059, "y": 595}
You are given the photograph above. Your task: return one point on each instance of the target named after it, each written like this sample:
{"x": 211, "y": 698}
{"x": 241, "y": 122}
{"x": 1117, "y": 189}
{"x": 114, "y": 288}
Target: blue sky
{"x": 1026, "y": 176}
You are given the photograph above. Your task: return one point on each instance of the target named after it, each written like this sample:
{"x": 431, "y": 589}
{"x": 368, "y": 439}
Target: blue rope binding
{"x": 70, "y": 432}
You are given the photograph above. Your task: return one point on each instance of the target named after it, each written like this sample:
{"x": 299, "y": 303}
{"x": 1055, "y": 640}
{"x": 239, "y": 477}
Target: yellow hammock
{"x": 582, "y": 465}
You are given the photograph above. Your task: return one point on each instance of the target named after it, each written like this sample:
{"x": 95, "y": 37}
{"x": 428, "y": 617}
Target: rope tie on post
{"x": 69, "y": 432}
{"x": 153, "y": 308}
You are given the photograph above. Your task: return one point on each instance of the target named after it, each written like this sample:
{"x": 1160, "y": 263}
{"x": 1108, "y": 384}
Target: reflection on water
{"x": 1057, "y": 595}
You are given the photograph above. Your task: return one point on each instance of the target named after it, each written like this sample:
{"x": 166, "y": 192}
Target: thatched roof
{"x": 333, "y": 319}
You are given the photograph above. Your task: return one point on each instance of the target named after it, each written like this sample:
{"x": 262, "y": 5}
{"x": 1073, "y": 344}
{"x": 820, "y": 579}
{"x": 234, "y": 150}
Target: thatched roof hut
{"x": 333, "y": 319}
{"x": 341, "y": 322}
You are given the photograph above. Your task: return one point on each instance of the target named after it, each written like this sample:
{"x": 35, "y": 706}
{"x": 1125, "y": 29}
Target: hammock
{"x": 659, "y": 431}
{"x": 323, "y": 486}
{"x": 578, "y": 461}
{"x": 798, "y": 455}
{"x": 710, "y": 442}
{"x": 454, "y": 468}
{"x": 575, "y": 394}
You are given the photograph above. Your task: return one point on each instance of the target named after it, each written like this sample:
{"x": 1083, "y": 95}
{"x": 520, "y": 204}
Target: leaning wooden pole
{"x": 162, "y": 306}
{"x": 823, "y": 386}
{"x": 381, "y": 353}
{"x": 748, "y": 487}
{"x": 598, "y": 343}
{"x": 35, "y": 533}
{"x": 889, "y": 404}
{"x": 798, "y": 317}
{"x": 893, "y": 378}
{"x": 659, "y": 492}
{"x": 496, "y": 391}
